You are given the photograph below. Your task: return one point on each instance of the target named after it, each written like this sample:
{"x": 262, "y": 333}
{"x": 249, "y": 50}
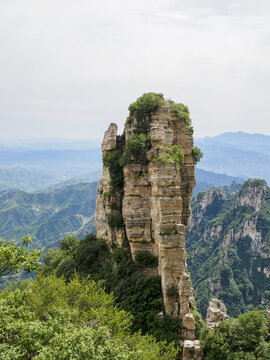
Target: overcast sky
{"x": 70, "y": 67}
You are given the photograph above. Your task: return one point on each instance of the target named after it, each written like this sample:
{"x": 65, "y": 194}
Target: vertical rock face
{"x": 149, "y": 205}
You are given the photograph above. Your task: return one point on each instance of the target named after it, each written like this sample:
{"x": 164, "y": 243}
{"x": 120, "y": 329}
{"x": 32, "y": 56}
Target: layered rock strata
{"x": 153, "y": 204}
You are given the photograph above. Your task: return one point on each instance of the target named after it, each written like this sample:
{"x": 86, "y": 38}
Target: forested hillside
{"x": 228, "y": 244}
{"x": 48, "y": 215}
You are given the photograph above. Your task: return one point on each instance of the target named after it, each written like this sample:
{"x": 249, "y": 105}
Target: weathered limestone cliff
{"x": 144, "y": 194}
{"x": 229, "y": 246}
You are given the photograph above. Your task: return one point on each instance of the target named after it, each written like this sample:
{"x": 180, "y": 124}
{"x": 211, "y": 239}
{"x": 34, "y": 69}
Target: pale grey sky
{"x": 68, "y": 68}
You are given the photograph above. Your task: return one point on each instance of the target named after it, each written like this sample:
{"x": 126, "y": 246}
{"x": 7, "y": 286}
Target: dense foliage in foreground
{"x": 134, "y": 293}
{"x": 244, "y": 338}
{"x": 65, "y": 315}
{"x": 51, "y": 319}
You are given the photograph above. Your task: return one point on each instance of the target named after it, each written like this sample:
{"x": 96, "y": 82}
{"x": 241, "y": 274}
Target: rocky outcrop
{"x": 153, "y": 202}
{"x": 229, "y": 247}
{"x": 192, "y": 350}
{"x": 216, "y": 313}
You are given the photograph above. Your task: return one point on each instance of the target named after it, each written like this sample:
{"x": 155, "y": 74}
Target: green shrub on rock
{"x": 112, "y": 161}
{"x": 171, "y": 154}
{"x": 135, "y": 146}
{"x": 197, "y": 153}
{"x": 182, "y": 112}
{"x": 145, "y": 105}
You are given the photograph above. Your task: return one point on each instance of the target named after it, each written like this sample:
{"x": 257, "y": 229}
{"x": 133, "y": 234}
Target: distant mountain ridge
{"x": 237, "y": 154}
{"x": 69, "y": 163}
{"x": 208, "y": 179}
{"x": 49, "y": 215}
{"x": 32, "y": 180}
{"x": 26, "y": 179}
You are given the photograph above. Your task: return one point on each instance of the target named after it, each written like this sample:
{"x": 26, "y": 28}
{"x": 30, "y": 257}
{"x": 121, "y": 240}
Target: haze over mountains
{"x": 33, "y": 165}
{"x": 237, "y": 154}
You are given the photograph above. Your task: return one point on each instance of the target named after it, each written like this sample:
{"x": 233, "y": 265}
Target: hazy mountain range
{"x": 33, "y": 165}
{"x": 49, "y": 215}
{"x": 237, "y": 154}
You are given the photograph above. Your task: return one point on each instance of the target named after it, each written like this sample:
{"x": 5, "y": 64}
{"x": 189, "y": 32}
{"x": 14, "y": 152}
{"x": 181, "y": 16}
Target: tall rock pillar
{"x": 153, "y": 202}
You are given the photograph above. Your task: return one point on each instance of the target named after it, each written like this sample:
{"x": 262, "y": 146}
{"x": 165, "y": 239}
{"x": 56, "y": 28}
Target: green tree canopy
{"x": 51, "y": 319}
{"x": 15, "y": 258}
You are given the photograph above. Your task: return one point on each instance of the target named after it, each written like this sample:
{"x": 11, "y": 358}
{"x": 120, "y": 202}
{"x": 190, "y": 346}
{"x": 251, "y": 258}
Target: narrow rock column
{"x": 154, "y": 203}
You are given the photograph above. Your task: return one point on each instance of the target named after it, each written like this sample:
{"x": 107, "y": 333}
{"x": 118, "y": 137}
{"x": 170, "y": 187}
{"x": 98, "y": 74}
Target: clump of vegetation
{"x": 170, "y": 154}
{"x": 107, "y": 195}
{"x": 169, "y": 232}
{"x": 116, "y": 221}
{"x": 190, "y": 129}
{"x": 172, "y": 291}
{"x": 182, "y": 112}
{"x": 145, "y": 259}
{"x": 135, "y": 146}
{"x": 112, "y": 161}
{"x": 15, "y": 258}
{"x": 197, "y": 153}
{"x": 145, "y": 105}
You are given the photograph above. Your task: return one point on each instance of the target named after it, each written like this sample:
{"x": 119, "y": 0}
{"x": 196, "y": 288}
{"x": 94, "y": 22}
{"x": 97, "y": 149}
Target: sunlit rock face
{"x": 153, "y": 203}
{"x": 216, "y": 313}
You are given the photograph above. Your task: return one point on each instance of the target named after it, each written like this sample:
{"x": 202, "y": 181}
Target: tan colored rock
{"x": 155, "y": 208}
{"x": 192, "y": 350}
{"x": 109, "y": 140}
{"x": 216, "y": 313}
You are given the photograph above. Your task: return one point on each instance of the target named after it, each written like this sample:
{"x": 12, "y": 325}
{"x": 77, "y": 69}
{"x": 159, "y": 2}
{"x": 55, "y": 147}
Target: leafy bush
{"x": 182, "y": 112}
{"x": 135, "y": 146}
{"x": 190, "y": 129}
{"x": 145, "y": 105}
{"x": 146, "y": 259}
{"x": 172, "y": 154}
{"x": 15, "y": 258}
{"x": 69, "y": 244}
{"x": 112, "y": 161}
{"x": 197, "y": 153}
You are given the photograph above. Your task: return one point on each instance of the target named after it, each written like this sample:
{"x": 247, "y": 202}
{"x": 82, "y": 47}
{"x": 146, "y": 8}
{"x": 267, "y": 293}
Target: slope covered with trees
{"x": 48, "y": 215}
{"x": 228, "y": 243}
{"x": 243, "y": 338}
{"x": 51, "y": 319}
